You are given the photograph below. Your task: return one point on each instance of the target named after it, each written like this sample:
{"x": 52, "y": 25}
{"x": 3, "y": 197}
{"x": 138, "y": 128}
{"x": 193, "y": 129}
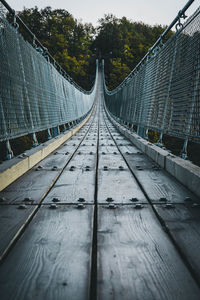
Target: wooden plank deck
{"x": 136, "y": 259}
{"x": 52, "y": 259}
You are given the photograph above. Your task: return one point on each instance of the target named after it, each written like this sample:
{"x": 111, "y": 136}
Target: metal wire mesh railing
{"x": 34, "y": 96}
{"x": 163, "y": 92}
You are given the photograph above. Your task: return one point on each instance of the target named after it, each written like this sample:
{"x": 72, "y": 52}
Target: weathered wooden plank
{"x": 118, "y": 185}
{"x": 183, "y": 222}
{"x": 33, "y": 185}
{"x": 136, "y": 259}
{"x": 128, "y": 148}
{"x": 157, "y": 183}
{"x": 52, "y": 258}
{"x": 81, "y": 160}
{"x": 12, "y": 221}
{"x": 57, "y": 159}
{"x": 112, "y": 161}
{"x": 87, "y": 149}
{"x": 107, "y": 149}
{"x": 73, "y": 185}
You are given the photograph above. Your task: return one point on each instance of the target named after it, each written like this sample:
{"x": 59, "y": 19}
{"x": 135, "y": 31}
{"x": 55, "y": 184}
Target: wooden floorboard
{"x": 157, "y": 183}
{"x": 52, "y": 258}
{"x": 183, "y": 223}
{"x": 119, "y": 185}
{"x": 136, "y": 259}
{"x": 12, "y": 221}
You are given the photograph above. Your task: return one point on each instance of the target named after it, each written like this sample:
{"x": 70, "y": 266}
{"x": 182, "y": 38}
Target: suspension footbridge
{"x": 97, "y": 211}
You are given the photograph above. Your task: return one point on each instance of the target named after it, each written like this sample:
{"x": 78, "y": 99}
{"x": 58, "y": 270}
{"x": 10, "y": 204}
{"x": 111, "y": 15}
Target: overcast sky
{"x": 148, "y": 11}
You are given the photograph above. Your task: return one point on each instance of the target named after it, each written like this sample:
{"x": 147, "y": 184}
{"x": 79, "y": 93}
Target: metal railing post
{"x": 9, "y": 152}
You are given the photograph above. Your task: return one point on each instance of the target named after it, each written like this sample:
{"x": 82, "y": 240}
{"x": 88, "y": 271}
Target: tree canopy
{"x": 75, "y": 46}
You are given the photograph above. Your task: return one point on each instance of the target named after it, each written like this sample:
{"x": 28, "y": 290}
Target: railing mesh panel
{"x": 164, "y": 94}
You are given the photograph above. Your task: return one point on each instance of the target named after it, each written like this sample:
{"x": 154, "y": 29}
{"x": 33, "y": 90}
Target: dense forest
{"x": 75, "y": 46}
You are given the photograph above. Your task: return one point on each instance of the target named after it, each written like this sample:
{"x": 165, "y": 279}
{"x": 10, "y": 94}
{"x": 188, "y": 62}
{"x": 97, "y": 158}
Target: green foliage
{"x": 65, "y": 38}
{"x": 119, "y": 71}
{"x": 127, "y": 41}
{"x": 121, "y": 42}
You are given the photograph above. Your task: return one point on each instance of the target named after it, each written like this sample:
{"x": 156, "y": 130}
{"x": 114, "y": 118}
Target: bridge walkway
{"x": 97, "y": 219}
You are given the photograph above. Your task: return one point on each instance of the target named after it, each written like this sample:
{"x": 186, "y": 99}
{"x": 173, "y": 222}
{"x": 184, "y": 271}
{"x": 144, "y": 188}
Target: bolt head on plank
{"x": 53, "y": 206}
{"x": 81, "y": 199}
{"x": 55, "y": 200}
{"x": 139, "y": 206}
{"x": 188, "y": 199}
{"x": 109, "y": 199}
{"x": 80, "y": 206}
{"x": 2, "y": 199}
{"x": 163, "y": 199}
{"x": 112, "y": 206}
{"x": 196, "y": 205}
{"x": 22, "y": 206}
{"x": 169, "y": 206}
{"x": 134, "y": 199}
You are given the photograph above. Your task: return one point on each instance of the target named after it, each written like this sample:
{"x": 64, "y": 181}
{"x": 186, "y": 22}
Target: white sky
{"x": 148, "y": 11}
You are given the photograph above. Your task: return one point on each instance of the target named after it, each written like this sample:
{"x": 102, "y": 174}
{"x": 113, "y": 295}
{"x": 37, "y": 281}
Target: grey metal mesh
{"x": 164, "y": 94}
{"x": 33, "y": 95}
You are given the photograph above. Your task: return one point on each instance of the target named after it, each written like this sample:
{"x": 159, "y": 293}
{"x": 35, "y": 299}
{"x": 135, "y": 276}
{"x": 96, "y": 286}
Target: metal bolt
{"x": 55, "y": 200}
{"x": 109, "y": 199}
{"x": 112, "y": 206}
{"x": 53, "y": 206}
{"x": 79, "y": 153}
{"x": 139, "y": 168}
{"x": 169, "y": 206}
{"x": 55, "y": 153}
{"x": 92, "y": 144}
{"x": 27, "y": 199}
{"x": 187, "y": 199}
{"x": 54, "y": 168}
{"x": 134, "y": 199}
{"x": 163, "y": 199}
{"x": 121, "y": 168}
{"x": 195, "y": 205}
{"x": 103, "y": 153}
{"x": 91, "y": 153}
{"x": 105, "y": 168}
{"x": 2, "y": 199}
{"x": 72, "y": 168}
{"x": 139, "y": 206}
{"x": 74, "y": 144}
{"x": 80, "y": 206}
{"x": 22, "y": 206}
{"x": 102, "y": 144}
{"x": 156, "y": 168}
{"x": 66, "y": 153}
{"x": 81, "y": 200}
